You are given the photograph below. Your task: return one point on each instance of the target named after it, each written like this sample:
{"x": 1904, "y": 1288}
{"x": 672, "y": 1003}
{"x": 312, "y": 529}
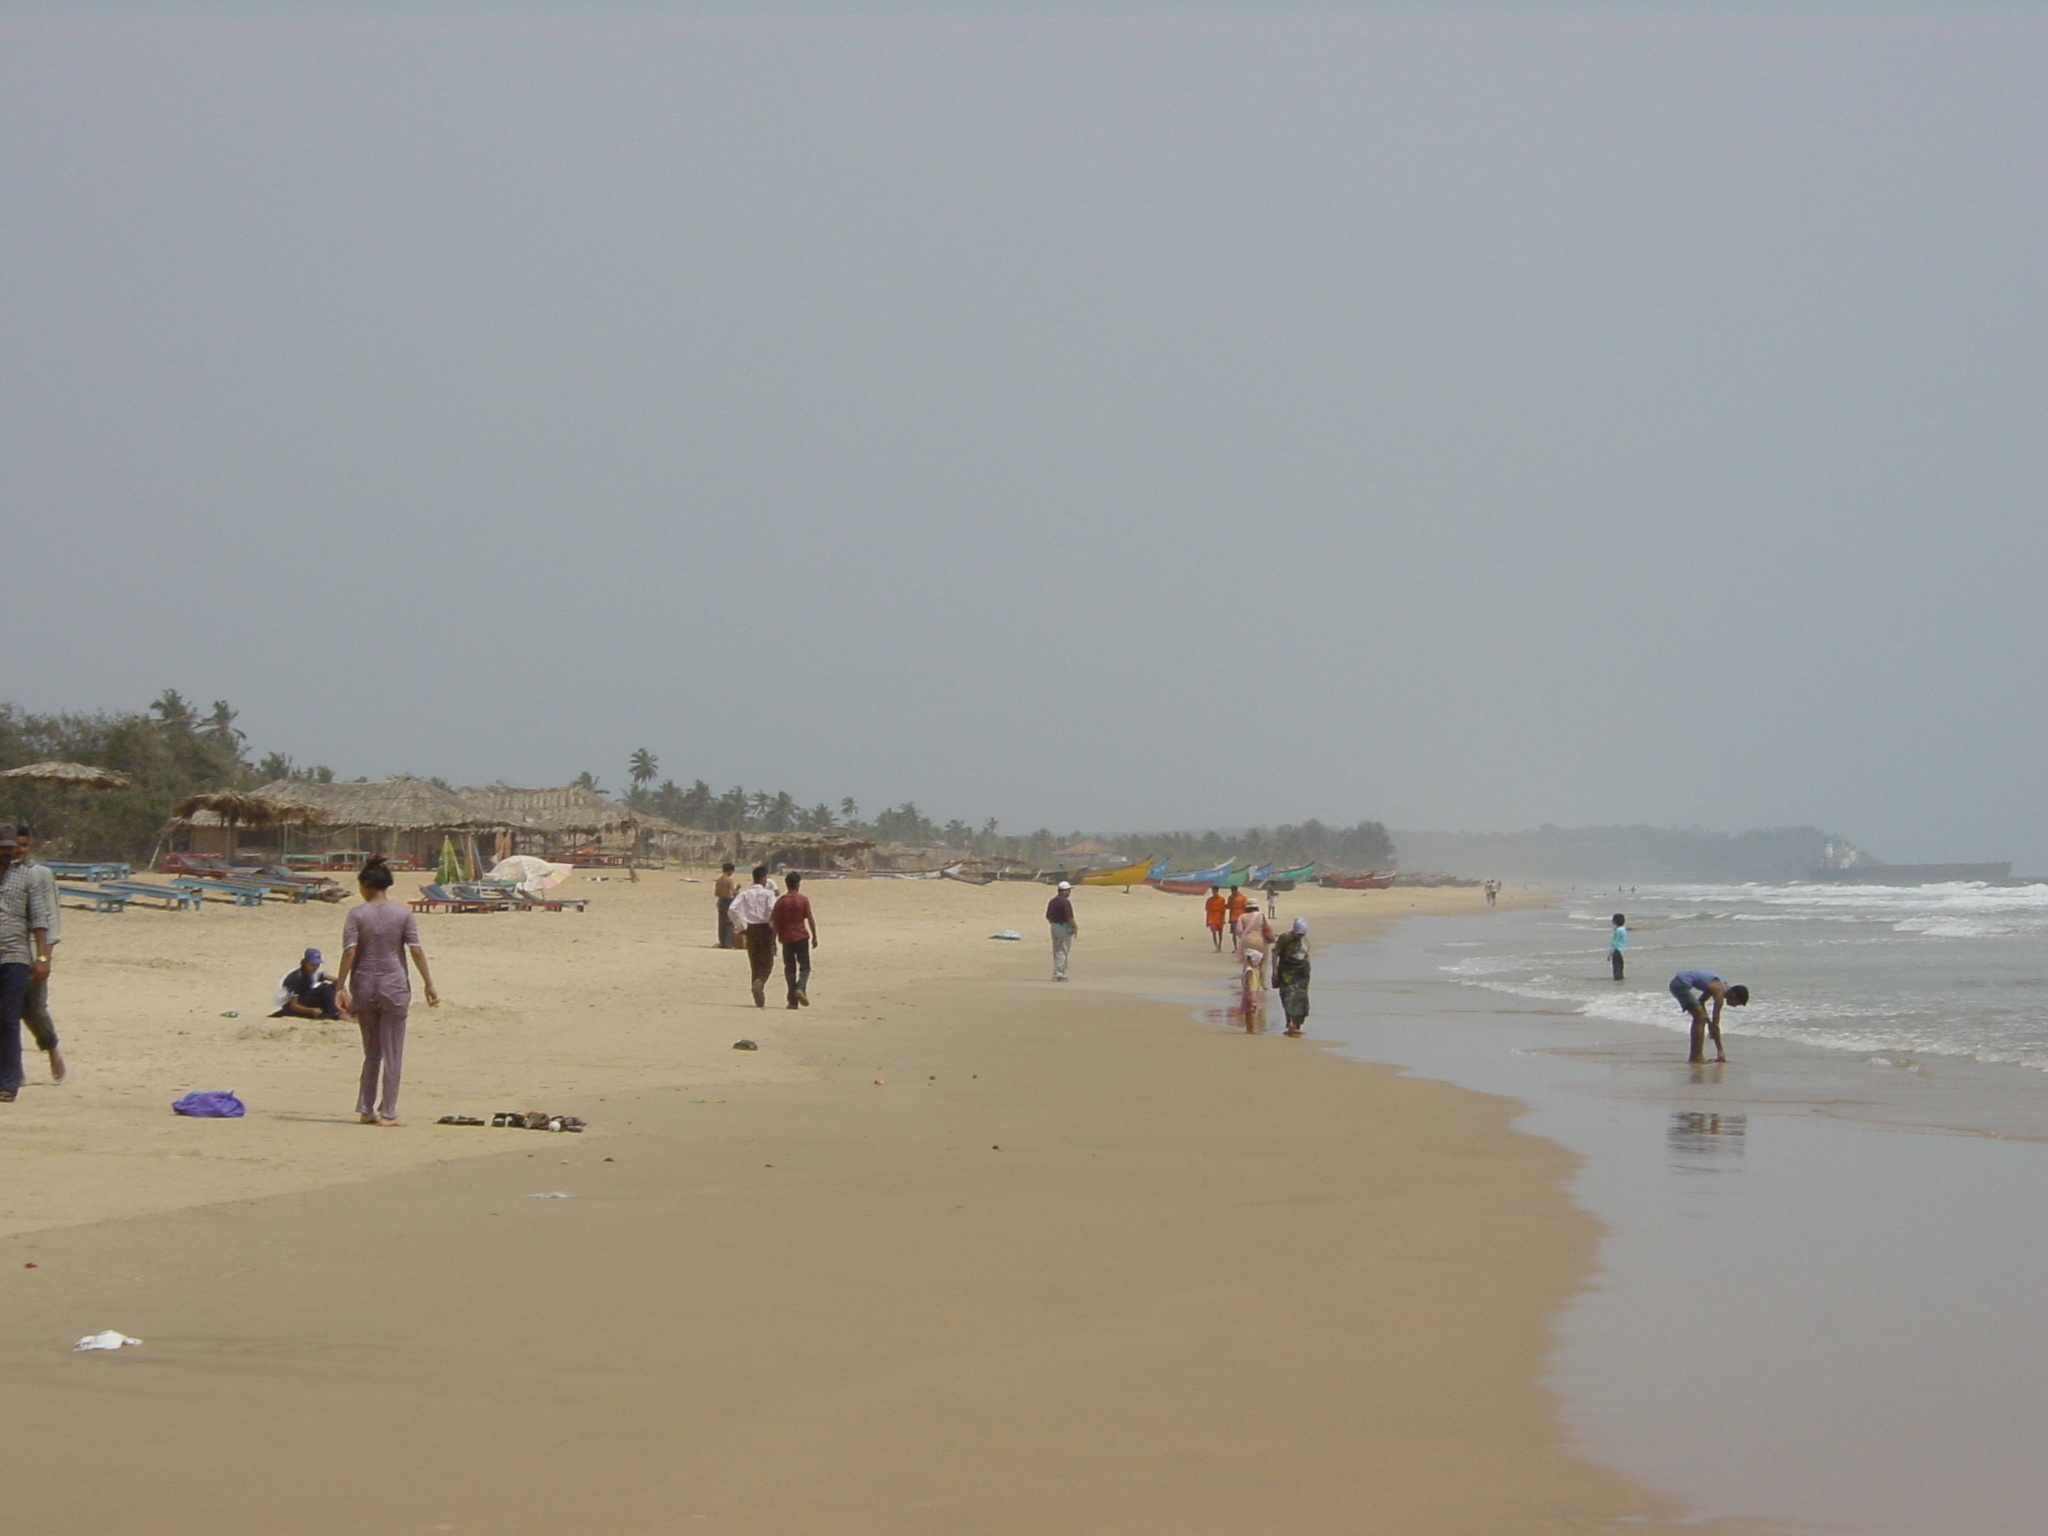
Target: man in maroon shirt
{"x": 798, "y": 931}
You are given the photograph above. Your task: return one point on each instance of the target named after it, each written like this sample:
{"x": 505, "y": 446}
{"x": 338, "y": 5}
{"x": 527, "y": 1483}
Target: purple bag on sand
{"x": 216, "y": 1105}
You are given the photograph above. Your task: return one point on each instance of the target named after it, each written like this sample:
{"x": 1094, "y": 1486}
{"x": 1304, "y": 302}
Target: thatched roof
{"x": 79, "y": 775}
{"x": 217, "y": 807}
{"x": 571, "y": 811}
{"x": 393, "y": 805}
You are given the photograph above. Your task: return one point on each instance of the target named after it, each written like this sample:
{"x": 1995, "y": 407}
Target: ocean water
{"x": 1903, "y": 973}
{"x": 1816, "y": 1299}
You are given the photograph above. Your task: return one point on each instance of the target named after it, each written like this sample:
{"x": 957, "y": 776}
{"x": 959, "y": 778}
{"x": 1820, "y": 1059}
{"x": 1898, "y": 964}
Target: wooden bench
{"x": 102, "y": 901}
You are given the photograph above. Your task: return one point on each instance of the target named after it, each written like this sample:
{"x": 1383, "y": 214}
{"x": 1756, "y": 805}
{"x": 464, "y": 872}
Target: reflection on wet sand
{"x": 1697, "y": 1137}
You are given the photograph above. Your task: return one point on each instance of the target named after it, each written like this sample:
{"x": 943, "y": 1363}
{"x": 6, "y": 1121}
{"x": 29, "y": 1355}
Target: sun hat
{"x": 1063, "y": 884}
{"x": 1301, "y": 925}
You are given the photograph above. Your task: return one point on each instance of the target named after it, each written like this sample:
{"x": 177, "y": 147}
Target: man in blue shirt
{"x": 1617, "y": 946}
{"x": 1695, "y": 990}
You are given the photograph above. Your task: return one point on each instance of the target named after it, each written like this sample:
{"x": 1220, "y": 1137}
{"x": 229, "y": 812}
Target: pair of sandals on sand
{"x": 520, "y": 1120}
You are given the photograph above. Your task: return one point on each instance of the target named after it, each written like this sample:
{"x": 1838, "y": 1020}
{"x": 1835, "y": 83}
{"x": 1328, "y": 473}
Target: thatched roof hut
{"x": 570, "y": 811}
{"x": 386, "y": 805}
{"x": 70, "y": 775}
{"x": 806, "y": 850}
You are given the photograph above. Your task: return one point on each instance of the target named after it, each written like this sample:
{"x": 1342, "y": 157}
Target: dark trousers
{"x": 13, "y": 985}
{"x": 796, "y": 965}
{"x": 761, "y": 956}
{"x": 35, "y": 1013}
{"x": 321, "y": 997}
{"x": 1614, "y": 957}
{"x": 724, "y": 922}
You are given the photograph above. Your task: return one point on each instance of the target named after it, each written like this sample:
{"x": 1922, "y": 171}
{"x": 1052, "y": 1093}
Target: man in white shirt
{"x": 750, "y": 913}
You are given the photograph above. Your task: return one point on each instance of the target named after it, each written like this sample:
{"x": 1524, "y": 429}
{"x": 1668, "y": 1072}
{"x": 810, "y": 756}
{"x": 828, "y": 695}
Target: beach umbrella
{"x": 451, "y": 866}
{"x": 74, "y": 775}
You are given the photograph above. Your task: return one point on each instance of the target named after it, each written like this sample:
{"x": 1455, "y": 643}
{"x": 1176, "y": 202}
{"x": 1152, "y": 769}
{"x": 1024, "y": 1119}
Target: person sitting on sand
{"x": 307, "y": 992}
{"x": 1694, "y": 991}
{"x": 1212, "y": 913}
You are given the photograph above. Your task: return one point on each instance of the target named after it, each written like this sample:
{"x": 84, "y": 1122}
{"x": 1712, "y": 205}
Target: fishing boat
{"x": 1356, "y": 882}
{"x": 1192, "y": 882}
{"x": 1130, "y": 874}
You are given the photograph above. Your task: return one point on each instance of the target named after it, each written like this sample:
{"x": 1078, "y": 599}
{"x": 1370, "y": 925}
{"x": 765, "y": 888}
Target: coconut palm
{"x": 643, "y": 766}
{"x": 173, "y": 710}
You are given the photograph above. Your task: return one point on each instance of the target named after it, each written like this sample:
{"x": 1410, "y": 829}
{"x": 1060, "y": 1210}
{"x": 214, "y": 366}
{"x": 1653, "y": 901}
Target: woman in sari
{"x": 1290, "y": 974}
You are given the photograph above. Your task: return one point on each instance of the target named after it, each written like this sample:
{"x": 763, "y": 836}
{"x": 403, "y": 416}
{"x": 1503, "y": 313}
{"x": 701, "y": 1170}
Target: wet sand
{"x": 1076, "y": 1263}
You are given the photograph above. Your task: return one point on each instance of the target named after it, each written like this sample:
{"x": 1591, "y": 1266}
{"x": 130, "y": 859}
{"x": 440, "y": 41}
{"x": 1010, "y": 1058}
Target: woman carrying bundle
{"x": 1290, "y": 974}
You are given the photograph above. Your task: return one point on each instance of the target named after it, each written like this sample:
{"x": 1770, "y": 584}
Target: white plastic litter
{"x": 553, "y": 1194}
{"x": 108, "y": 1340}
{"x": 1007, "y": 933}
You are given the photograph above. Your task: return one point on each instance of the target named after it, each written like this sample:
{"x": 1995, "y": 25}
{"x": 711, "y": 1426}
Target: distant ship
{"x": 1843, "y": 863}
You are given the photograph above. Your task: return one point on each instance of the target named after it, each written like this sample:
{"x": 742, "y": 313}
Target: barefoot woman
{"x": 373, "y": 986}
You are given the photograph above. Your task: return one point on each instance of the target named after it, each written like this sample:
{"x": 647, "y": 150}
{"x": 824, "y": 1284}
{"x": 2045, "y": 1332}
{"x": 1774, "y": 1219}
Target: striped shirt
{"x": 24, "y": 905}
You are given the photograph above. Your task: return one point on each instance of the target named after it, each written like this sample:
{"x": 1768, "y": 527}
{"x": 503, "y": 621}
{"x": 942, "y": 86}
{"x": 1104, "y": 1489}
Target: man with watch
{"x": 25, "y": 924}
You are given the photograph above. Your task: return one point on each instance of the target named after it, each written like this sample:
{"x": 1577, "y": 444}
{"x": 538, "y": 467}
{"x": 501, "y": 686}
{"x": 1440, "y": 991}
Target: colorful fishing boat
{"x": 1356, "y": 882}
{"x": 1130, "y": 874}
{"x": 1192, "y": 882}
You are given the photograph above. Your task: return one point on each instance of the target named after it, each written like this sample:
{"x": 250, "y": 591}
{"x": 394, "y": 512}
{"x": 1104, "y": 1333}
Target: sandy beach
{"x": 955, "y": 1250}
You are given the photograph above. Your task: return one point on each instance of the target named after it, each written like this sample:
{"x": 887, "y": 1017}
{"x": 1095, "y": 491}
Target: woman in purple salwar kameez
{"x": 374, "y": 988}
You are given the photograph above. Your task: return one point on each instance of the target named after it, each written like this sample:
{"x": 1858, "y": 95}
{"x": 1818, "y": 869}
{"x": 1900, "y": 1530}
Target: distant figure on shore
{"x": 1253, "y": 932}
{"x": 1212, "y": 913}
{"x": 1492, "y": 891}
{"x": 1617, "y": 945}
{"x": 1059, "y": 917}
{"x": 1272, "y": 890}
{"x": 24, "y": 953}
{"x": 728, "y": 886}
{"x": 374, "y": 942}
{"x": 35, "y": 1002}
{"x": 1252, "y": 990}
{"x": 307, "y": 992}
{"x": 1290, "y": 974}
{"x": 753, "y": 917}
{"x": 797, "y": 931}
{"x": 1695, "y": 991}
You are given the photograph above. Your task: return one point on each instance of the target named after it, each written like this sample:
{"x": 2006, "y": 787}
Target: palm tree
{"x": 782, "y": 812}
{"x": 848, "y": 811}
{"x": 172, "y": 710}
{"x": 220, "y": 726}
{"x": 644, "y": 766}
{"x": 588, "y": 780}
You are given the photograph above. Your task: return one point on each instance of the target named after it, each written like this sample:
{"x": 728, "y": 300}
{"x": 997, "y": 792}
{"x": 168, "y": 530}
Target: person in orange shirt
{"x": 1235, "y": 909}
{"x": 1213, "y": 909}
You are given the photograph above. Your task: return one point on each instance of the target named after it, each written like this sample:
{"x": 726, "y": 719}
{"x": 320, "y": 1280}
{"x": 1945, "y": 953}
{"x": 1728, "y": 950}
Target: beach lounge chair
{"x": 143, "y": 890}
{"x": 240, "y": 895}
{"x": 102, "y": 901}
{"x": 434, "y": 897}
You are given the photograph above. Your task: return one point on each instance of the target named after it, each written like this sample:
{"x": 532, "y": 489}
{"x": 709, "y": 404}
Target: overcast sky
{"x": 1466, "y": 418}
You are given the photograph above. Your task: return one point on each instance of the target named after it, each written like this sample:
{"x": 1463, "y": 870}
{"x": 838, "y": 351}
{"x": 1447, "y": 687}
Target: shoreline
{"x": 1070, "y": 1265}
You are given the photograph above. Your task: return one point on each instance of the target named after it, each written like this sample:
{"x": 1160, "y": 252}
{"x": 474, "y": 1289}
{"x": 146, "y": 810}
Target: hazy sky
{"x": 1466, "y": 418}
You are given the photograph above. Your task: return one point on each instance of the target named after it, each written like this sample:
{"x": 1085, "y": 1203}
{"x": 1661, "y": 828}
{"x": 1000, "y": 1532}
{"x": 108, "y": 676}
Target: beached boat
{"x": 1192, "y": 882}
{"x": 1130, "y": 874}
{"x": 1356, "y": 882}
{"x": 1301, "y": 874}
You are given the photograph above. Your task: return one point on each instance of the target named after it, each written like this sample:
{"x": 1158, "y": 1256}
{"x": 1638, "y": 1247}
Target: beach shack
{"x": 550, "y": 823}
{"x": 405, "y": 819}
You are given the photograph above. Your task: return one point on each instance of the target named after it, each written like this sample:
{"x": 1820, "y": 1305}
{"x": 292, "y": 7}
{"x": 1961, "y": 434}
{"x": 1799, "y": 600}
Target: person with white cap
{"x": 25, "y": 924}
{"x": 1059, "y": 916}
{"x": 1290, "y": 974}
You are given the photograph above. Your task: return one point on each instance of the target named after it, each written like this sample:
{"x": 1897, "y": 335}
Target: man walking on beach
{"x": 1617, "y": 945}
{"x": 1212, "y": 912}
{"x": 1694, "y": 991}
{"x": 1059, "y": 916}
{"x": 753, "y": 916}
{"x": 797, "y": 931}
{"x": 24, "y": 954}
{"x": 728, "y": 887}
{"x": 35, "y": 1002}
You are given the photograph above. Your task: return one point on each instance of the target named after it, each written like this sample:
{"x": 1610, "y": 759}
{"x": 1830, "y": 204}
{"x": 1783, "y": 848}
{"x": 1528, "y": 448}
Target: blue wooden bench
{"x": 102, "y": 901}
{"x": 86, "y": 870}
{"x": 228, "y": 890}
{"x": 143, "y": 890}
